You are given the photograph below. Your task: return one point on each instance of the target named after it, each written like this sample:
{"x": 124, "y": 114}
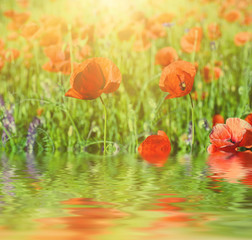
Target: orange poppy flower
{"x": 40, "y": 111}
{"x": 155, "y": 149}
{"x": 50, "y": 37}
{"x": 29, "y": 30}
{"x": 19, "y": 18}
{"x": 94, "y": 77}
{"x": 242, "y": 38}
{"x": 87, "y": 32}
{"x": 217, "y": 118}
{"x": 125, "y": 33}
{"x": 2, "y": 44}
{"x": 142, "y": 42}
{"x": 165, "y": 56}
{"x": 194, "y": 95}
{"x": 9, "y": 13}
{"x": 55, "y": 53}
{"x": 13, "y": 36}
{"x": 1, "y": 64}
{"x": 85, "y": 51}
{"x": 232, "y": 15}
{"x": 50, "y": 67}
{"x": 155, "y": 30}
{"x": 208, "y": 73}
{"x": 249, "y": 119}
{"x": 204, "y": 95}
{"x": 191, "y": 41}
{"x": 52, "y": 22}
{"x": 227, "y": 137}
{"x": 11, "y": 55}
{"x": 163, "y": 18}
{"x": 213, "y": 31}
{"x": 65, "y": 67}
{"x": 247, "y": 20}
{"x": 23, "y": 3}
{"x": 177, "y": 79}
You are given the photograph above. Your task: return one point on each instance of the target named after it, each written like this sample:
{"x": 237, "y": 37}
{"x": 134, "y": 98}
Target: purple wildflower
{"x": 189, "y": 138}
{"x": 8, "y": 124}
{"x": 32, "y": 131}
{"x": 168, "y": 24}
{"x": 1, "y": 101}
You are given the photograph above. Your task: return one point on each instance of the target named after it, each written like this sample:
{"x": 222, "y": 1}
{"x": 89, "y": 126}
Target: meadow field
{"x": 41, "y": 41}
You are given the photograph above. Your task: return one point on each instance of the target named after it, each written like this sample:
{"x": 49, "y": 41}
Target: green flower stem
{"x": 192, "y": 109}
{"x": 105, "y": 125}
{"x": 73, "y": 123}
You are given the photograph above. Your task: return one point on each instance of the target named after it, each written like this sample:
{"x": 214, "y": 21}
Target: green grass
{"x": 136, "y": 109}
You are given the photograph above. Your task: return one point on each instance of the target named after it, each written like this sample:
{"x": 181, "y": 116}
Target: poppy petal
{"x": 74, "y": 94}
{"x": 237, "y": 128}
{"x": 247, "y": 139}
{"x": 211, "y": 148}
{"x": 220, "y": 135}
{"x": 111, "y": 73}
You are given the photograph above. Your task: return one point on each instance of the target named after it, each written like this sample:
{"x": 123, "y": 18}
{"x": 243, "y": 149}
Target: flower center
{"x": 182, "y": 84}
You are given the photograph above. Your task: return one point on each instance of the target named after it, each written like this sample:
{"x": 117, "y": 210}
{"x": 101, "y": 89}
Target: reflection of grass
{"x": 133, "y": 108}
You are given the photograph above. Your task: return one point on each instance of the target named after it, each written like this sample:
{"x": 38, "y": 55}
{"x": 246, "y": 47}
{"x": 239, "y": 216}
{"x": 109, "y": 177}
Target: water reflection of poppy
{"x": 155, "y": 149}
{"x": 88, "y": 218}
{"x": 231, "y": 167}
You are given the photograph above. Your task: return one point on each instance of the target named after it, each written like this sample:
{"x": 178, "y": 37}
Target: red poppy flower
{"x": 155, "y": 149}
{"x": 142, "y": 41}
{"x": 242, "y": 38}
{"x": 213, "y": 31}
{"x": 165, "y": 56}
{"x": 177, "y": 79}
{"x": 208, "y": 72}
{"x": 11, "y": 55}
{"x": 191, "y": 41}
{"x": 12, "y": 36}
{"x": 163, "y": 18}
{"x": 232, "y": 15}
{"x": 23, "y": 3}
{"x": 217, "y": 118}
{"x": 94, "y": 77}
{"x": 155, "y": 30}
{"x": 249, "y": 119}
{"x": 29, "y": 30}
{"x": 50, "y": 37}
{"x": 126, "y": 33}
{"x": 1, "y": 64}
{"x": 227, "y": 137}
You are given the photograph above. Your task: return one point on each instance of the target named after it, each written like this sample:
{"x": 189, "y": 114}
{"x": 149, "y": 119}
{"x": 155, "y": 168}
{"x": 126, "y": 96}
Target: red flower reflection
{"x": 233, "y": 168}
{"x": 155, "y": 149}
{"x": 87, "y": 219}
{"x": 227, "y": 137}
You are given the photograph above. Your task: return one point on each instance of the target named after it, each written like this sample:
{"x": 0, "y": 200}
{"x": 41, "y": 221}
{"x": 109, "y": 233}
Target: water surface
{"x": 75, "y": 197}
